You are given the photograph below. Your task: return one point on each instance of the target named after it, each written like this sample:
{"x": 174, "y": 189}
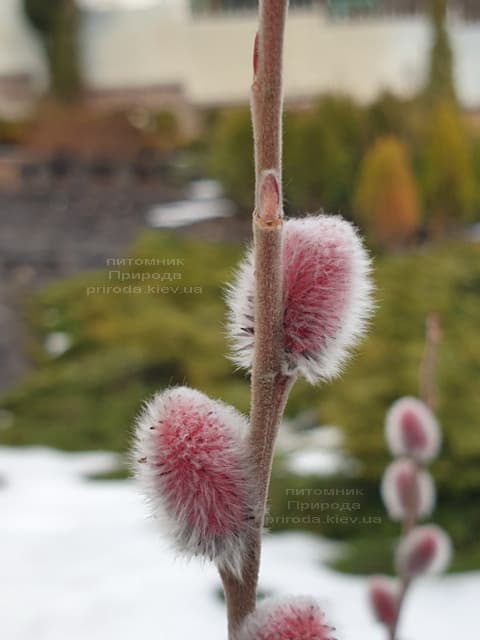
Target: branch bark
{"x": 429, "y": 361}
{"x": 269, "y": 386}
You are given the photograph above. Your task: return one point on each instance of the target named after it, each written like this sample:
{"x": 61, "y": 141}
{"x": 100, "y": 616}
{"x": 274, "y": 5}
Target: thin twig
{"x": 269, "y": 387}
{"x": 429, "y": 361}
{"x": 428, "y": 395}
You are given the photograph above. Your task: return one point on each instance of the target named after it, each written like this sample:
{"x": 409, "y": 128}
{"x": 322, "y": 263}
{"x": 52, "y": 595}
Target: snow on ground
{"x": 314, "y": 451}
{"x": 205, "y": 202}
{"x": 79, "y": 559}
{"x": 315, "y": 462}
{"x": 185, "y": 212}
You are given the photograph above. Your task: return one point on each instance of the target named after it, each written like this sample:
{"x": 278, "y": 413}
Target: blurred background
{"x": 126, "y": 183}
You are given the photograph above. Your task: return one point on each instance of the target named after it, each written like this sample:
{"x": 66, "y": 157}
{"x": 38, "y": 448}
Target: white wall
{"x": 20, "y": 50}
{"x": 211, "y": 56}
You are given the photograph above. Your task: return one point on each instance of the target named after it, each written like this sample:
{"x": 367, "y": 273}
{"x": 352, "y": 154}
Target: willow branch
{"x": 266, "y": 94}
{"x": 429, "y": 361}
{"x": 428, "y": 395}
{"x": 269, "y": 387}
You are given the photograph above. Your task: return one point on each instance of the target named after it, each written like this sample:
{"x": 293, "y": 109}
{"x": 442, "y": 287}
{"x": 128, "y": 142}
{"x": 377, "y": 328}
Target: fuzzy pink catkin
{"x": 412, "y": 429}
{"x": 384, "y": 593}
{"x": 425, "y": 549}
{"x": 191, "y": 459}
{"x": 326, "y": 297}
{"x": 294, "y": 618}
{"x": 406, "y": 489}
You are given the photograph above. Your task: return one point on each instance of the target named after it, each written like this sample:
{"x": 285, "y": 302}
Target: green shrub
{"x": 231, "y": 157}
{"x": 446, "y": 169}
{"x": 322, "y": 150}
{"x": 386, "y": 199}
{"x": 445, "y": 279}
{"x": 124, "y": 347}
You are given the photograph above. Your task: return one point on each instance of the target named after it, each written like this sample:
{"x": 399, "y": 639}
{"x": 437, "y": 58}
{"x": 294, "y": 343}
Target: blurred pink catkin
{"x": 425, "y": 549}
{"x": 384, "y": 595}
{"x": 407, "y": 490}
{"x": 412, "y": 430}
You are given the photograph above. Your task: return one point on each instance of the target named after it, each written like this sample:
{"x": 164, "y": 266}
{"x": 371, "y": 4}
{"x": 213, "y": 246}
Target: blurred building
{"x": 22, "y": 68}
{"x": 183, "y": 55}
{"x": 470, "y": 9}
{"x": 205, "y": 56}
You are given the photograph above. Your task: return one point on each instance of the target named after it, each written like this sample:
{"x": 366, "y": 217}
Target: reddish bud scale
{"x": 286, "y": 619}
{"x": 269, "y": 212}
{"x": 384, "y": 597}
{"x": 191, "y": 458}
{"x": 255, "y": 55}
{"x": 326, "y": 297}
{"x": 425, "y": 549}
{"x": 411, "y": 429}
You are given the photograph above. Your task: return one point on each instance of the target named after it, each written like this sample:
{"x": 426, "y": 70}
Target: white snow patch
{"x": 314, "y": 451}
{"x": 80, "y": 559}
{"x": 205, "y": 202}
{"x": 57, "y": 342}
{"x": 320, "y": 463}
{"x": 185, "y": 212}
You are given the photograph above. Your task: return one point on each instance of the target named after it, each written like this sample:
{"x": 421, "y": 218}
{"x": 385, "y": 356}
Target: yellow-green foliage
{"x": 322, "y": 150}
{"x": 447, "y": 280}
{"x": 231, "y": 156}
{"x": 125, "y": 346}
{"x": 433, "y": 162}
{"x": 447, "y": 171}
{"x": 386, "y": 196}
{"x": 162, "y": 128}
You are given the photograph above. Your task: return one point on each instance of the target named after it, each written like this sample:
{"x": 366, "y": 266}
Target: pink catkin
{"x": 411, "y": 429}
{"x": 327, "y": 297}
{"x": 425, "y": 549}
{"x": 406, "y": 490}
{"x": 294, "y": 618}
{"x": 191, "y": 458}
{"x": 384, "y": 595}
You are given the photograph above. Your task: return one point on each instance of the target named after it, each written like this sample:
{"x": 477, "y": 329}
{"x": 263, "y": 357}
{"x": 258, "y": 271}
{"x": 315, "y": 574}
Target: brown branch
{"x": 241, "y": 594}
{"x": 266, "y": 95}
{"x": 407, "y": 525}
{"x": 405, "y": 584}
{"x": 429, "y": 361}
{"x": 269, "y": 387}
